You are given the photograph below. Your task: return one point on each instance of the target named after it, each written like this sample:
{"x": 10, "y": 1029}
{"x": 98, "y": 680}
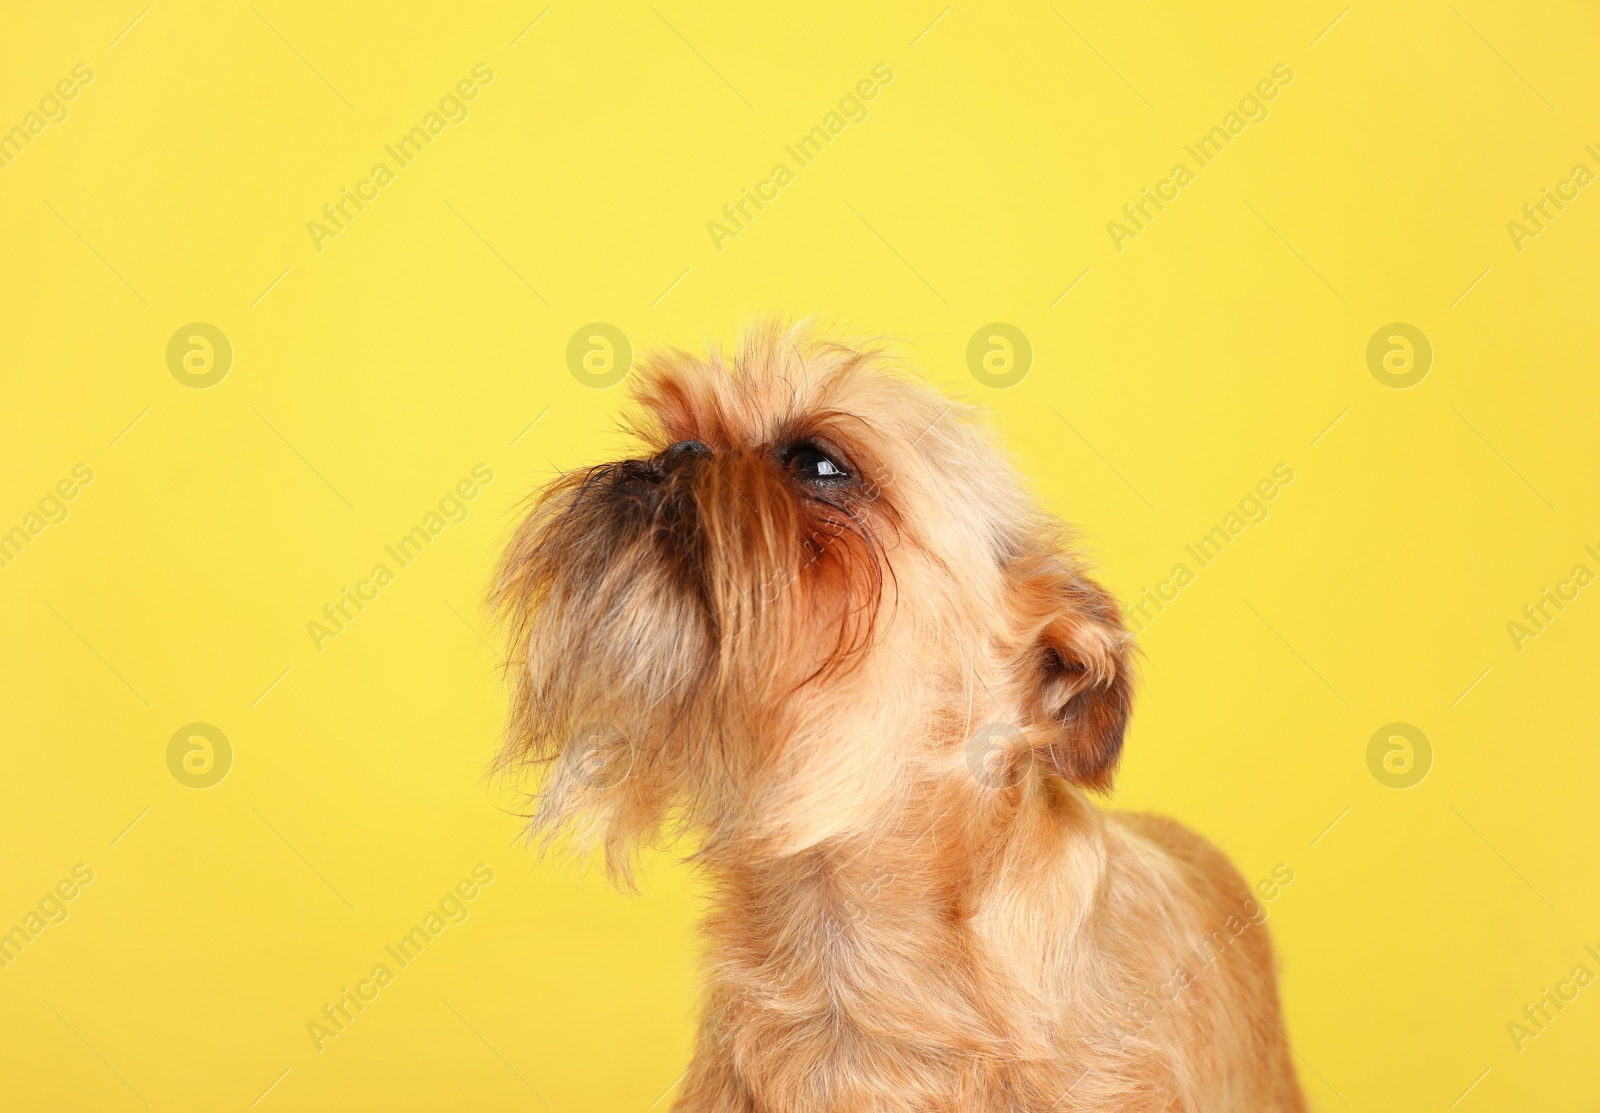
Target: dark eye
{"x": 808, "y": 461}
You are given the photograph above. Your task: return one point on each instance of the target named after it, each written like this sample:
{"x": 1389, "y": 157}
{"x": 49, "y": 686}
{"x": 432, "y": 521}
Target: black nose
{"x": 683, "y": 452}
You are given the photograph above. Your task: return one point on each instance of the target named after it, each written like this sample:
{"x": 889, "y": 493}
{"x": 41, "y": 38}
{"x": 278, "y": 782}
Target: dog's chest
{"x": 862, "y": 986}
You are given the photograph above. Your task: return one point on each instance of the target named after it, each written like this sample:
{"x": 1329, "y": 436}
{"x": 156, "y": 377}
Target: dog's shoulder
{"x": 1205, "y": 868}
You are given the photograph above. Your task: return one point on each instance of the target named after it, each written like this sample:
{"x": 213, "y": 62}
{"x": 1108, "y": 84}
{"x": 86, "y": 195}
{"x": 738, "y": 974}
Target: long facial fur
{"x": 734, "y": 635}
{"x": 880, "y": 707}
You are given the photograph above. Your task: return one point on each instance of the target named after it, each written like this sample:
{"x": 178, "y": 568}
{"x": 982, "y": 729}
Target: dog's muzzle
{"x": 658, "y": 482}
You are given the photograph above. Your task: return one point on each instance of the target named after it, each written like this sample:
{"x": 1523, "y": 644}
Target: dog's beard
{"x": 662, "y": 619}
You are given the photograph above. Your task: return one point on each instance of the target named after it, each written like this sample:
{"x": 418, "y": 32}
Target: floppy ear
{"x": 1075, "y": 666}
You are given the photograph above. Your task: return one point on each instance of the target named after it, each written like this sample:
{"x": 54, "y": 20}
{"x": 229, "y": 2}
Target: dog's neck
{"x": 882, "y": 924}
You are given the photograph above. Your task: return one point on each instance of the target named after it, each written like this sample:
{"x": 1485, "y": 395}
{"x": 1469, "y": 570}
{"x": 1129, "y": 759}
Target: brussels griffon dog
{"x": 818, "y": 623}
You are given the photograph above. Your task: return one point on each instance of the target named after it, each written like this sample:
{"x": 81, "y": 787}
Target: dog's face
{"x": 797, "y": 603}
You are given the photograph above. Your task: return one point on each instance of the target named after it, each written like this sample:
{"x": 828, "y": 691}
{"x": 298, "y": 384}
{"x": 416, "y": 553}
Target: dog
{"x": 819, "y": 625}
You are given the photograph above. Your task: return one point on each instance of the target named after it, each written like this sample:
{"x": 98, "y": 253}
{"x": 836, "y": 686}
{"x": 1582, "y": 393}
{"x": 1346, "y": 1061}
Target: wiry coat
{"x": 876, "y": 688}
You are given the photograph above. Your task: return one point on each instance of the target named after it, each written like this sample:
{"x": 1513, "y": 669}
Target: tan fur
{"x": 877, "y": 702}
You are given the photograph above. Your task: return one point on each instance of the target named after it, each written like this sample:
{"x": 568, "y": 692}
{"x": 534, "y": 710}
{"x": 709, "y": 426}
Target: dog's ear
{"x": 1076, "y": 670}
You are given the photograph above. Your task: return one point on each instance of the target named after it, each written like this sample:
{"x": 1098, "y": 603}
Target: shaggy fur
{"x": 877, "y": 699}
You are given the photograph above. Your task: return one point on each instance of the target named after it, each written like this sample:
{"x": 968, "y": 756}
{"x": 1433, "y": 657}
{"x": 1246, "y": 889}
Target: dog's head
{"x": 817, "y": 585}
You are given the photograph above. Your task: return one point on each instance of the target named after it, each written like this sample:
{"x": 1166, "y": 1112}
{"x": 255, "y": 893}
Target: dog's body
{"x": 1054, "y": 958}
{"x": 821, "y": 625}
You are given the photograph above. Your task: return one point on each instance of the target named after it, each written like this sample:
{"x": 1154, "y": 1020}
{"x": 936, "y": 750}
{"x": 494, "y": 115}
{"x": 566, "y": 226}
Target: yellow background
{"x": 1225, "y": 339}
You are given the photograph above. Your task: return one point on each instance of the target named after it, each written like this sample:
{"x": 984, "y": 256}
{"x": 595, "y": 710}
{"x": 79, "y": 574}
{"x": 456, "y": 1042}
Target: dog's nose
{"x": 683, "y": 452}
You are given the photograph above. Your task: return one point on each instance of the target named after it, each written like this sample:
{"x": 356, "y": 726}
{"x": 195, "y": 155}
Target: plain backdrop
{"x": 1172, "y": 371}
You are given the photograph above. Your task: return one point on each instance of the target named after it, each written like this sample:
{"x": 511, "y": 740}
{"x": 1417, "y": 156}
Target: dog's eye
{"x": 808, "y": 461}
